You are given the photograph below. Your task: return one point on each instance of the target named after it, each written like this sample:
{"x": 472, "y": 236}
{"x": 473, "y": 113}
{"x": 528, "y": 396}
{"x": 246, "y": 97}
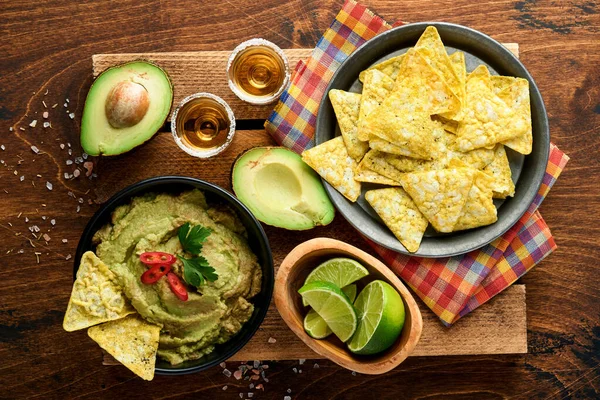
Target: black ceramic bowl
{"x": 257, "y": 239}
{"x": 527, "y": 171}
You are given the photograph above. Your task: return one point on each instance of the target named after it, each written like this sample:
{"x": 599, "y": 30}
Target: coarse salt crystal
{"x": 48, "y": 185}
{"x": 33, "y": 123}
{"x": 227, "y": 372}
{"x": 76, "y": 173}
{"x": 3, "y": 147}
{"x": 66, "y": 175}
{"x": 62, "y": 146}
{"x": 69, "y": 162}
{"x": 72, "y": 115}
{"x": 64, "y": 240}
{"x": 47, "y": 124}
{"x": 68, "y": 257}
{"x": 272, "y": 340}
{"x": 45, "y": 114}
{"x": 35, "y": 149}
{"x": 22, "y": 178}
{"x": 53, "y": 222}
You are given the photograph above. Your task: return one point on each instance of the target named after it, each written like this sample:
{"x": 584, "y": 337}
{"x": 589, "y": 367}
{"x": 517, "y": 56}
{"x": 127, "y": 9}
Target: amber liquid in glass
{"x": 258, "y": 71}
{"x": 203, "y": 124}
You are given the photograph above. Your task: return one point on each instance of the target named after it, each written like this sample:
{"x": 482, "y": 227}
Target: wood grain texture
{"x": 47, "y": 46}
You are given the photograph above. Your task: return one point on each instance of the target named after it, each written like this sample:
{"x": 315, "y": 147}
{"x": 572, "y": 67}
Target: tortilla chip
{"x": 478, "y": 158}
{"x": 431, "y": 47}
{"x": 499, "y": 170}
{"x": 460, "y": 67}
{"x": 400, "y": 214}
{"x": 375, "y": 161}
{"x": 479, "y": 210}
{"x": 385, "y": 146}
{"x": 516, "y": 96}
{"x": 346, "y": 106}
{"x": 390, "y": 67}
{"x": 132, "y": 341}
{"x": 96, "y": 297}
{"x": 486, "y": 119}
{"x": 440, "y": 195}
{"x": 332, "y": 161}
{"x": 364, "y": 174}
{"x": 424, "y": 88}
{"x": 499, "y": 83}
{"x": 376, "y": 87}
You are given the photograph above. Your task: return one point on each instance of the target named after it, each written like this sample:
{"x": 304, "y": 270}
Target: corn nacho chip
{"x": 385, "y": 146}
{"x": 440, "y": 195}
{"x": 332, "y": 161}
{"x": 499, "y": 170}
{"x": 516, "y": 96}
{"x": 132, "y": 341}
{"x": 486, "y": 119}
{"x": 364, "y": 174}
{"x": 499, "y": 83}
{"x": 390, "y": 67}
{"x": 375, "y": 161}
{"x": 96, "y": 296}
{"x": 400, "y": 214}
{"x": 424, "y": 88}
{"x": 431, "y": 47}
{"x": 376, "y": 87}
{"x": 479, "y": 210}
{"x": 346, "y": 106}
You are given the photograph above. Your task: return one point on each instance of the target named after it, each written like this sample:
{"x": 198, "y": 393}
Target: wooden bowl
{"x": 290, "y": 277}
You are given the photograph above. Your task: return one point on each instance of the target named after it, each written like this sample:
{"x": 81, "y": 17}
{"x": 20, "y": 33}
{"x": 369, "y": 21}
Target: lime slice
{"x": 380, "y": 318}
{"x": 333, "y": 306}
{"x": 339, "y": 271}
{"x": 316, "y": 326}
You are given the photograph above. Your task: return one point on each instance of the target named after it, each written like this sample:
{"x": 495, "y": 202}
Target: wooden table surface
{"x": 45, "y": 57}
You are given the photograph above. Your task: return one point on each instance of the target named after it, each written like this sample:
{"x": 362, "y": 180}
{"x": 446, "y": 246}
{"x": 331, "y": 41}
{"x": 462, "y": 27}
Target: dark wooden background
{"x": 45, "y": 55}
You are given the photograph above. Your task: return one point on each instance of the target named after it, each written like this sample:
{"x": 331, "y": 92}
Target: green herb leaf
{"x": 193, "y": 237}
{"x": 196, "y": 270}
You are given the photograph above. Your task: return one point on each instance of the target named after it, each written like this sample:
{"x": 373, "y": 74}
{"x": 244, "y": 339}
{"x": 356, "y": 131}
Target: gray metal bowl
{"x": 527, "y": 171}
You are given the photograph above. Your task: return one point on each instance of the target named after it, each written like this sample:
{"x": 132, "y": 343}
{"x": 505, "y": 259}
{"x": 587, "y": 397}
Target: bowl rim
{"x": 487, "y": 233}
{"x": 146, "y": 185}
{"x": 287, "y": 312}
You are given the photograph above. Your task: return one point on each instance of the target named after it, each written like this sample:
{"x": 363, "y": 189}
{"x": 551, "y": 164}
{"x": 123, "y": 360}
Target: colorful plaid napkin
{"x": 452, "y": 287}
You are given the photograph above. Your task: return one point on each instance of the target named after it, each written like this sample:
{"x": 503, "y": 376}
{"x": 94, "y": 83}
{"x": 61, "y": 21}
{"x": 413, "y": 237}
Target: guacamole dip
{"x": 215, "y": 311}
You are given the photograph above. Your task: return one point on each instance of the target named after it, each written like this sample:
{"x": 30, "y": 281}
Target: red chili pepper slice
{"x": 155, "y": 273}
{"x": 177, "y": 287}
{"x": 157, "y": 257}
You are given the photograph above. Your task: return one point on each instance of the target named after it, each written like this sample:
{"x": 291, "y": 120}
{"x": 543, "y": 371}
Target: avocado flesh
{"x": 98, "y": 136}
{"x": 280, "y": 189}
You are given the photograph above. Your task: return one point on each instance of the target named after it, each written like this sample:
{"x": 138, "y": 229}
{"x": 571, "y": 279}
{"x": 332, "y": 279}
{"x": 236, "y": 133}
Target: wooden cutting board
{"x": 498, "y": 327}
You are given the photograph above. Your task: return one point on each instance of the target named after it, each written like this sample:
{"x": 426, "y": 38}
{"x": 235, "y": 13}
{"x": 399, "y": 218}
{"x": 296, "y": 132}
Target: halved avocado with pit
{"x": 280, "y": 189}
{"x": 126, "y": 105}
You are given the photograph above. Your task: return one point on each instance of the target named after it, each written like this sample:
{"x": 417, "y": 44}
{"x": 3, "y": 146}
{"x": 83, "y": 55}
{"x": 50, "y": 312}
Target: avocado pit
{"x": 126, "y": 104}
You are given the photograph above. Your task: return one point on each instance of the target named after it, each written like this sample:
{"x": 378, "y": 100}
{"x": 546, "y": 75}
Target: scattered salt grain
{"x": 70, "y": 152}
{"x": 289, "y": 390}
{"x": 45, "y": 105}
{"x": 44, "y": 217}
{"x": 65, "y": 105}
{"x": 55, "y": 105}
{"x": 52, "y": 222}
{"x": 224, "y": 387}
{"x": 299, "y": 371}
{"x": 46, "y": 237}
{"x": 256, "y": 363}
{"x": 62, "y": 146}
{"x": 67, "y": 100}
{"x": 227, "y": 372}
{"x": 250, "y": 395}
{"x": 295, "y": 370}
{"x": 68, "y": 257}
{"x": 287, "y": 397}
{"x": 76, "y": 173}
{"x": 64, "y": 240}
{"x": 72, "y": 115}
{"x": 353, "y": 373}
{"x": 47, "y": 125}
{"x": 251, "y": 386}
{"x": 78, "y": 160}
{"x": 241, "y": 395}
{"x": 69, "y": 162}
{"x": 316, "y": 366}
{"x": 272, "y": 340}
{"x": 66, "y": 175}
{"x": 78, "y": 209}
{"x": 238, "y": 374}
{"x": 21, "y": 251}
{"x": 223, "y": 365}
{"x": 301, "y": 361}
{"x": 69, "y": 145}
{"x": 85, "y": 156}
{"x": 48, "y": 185}
{"x": 21, "y": 128}
{"x": 35, "y": 149}
{"x": 3, "y": 147}
{"x": 10, "y": 129}
{"x": 80, "y": 200}
{"x": 26, "y": 219}
{"x": 33, "y": 123}
{"x": 45, "y": 115}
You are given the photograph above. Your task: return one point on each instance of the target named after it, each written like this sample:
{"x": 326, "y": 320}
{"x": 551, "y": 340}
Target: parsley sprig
{"x": 196, "y": 270}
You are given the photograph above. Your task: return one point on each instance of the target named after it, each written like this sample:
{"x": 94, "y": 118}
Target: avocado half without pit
{"x": 280, "y": 189}
{"x": 126, "y": 105}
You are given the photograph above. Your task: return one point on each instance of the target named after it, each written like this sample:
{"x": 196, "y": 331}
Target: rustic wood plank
{"x": 201, "y": 71}
{"x": 205, "y": 71}
{"x": 498, "y": 327}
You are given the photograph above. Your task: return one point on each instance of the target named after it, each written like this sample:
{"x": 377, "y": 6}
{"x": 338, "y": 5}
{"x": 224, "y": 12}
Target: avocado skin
{"x": 98, "y": 137}
{"x": 280, "y": 189}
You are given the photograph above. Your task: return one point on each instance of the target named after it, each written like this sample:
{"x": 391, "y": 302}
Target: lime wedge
{"x": 339, "y": 271}
{"x": 333, "y": 306}
{"x": 380, "y": 318}
{"x": 316, "y": 326}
